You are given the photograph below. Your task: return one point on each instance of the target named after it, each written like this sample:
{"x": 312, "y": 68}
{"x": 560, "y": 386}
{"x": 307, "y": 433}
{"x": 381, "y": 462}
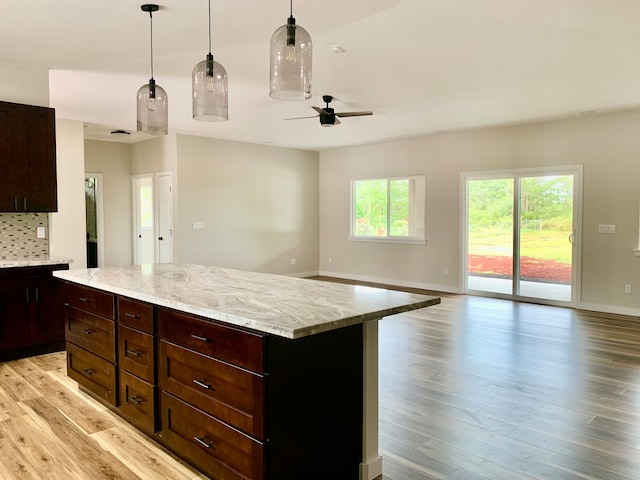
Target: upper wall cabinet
{"x": 27, "y": 159}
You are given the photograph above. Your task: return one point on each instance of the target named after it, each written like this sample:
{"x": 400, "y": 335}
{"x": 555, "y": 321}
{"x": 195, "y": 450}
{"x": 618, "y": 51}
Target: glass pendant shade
{"x": 290, "y": 63}
{"x": 210, "y": 91}
{"x": 153, "y": 114}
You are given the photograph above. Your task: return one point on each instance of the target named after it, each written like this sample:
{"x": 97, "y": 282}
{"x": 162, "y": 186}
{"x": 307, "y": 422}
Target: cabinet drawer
{"x": 135, "y": 353}
{"x": 231, "y": 394}
{"x": 92, "y": 372}
{"x": 138, "y": 401}
{"x": 95, "y": 334}
{"x": 135, "y": 314}
{"x": 91, "y": 300}
{"x": 218, "y": 450}
{"x": 228, "y": 344}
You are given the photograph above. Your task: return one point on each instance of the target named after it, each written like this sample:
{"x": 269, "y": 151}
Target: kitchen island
{"x": 247, "y": 375}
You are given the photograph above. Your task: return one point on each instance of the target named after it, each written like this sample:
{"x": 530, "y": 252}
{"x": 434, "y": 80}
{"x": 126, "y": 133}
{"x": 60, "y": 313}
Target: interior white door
{"x": 143, "y": 214}
{"x": 165, "y": 218}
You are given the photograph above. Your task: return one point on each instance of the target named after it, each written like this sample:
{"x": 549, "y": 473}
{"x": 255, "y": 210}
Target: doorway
{"x": 522, "y": 233}
{"x": 153, "y": 218}
{"x": 94, "y": 219}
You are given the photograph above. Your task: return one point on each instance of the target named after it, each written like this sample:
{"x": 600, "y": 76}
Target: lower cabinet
{"x": 31, "y": 316}
{"x": 237, "y": 404}
{"x": 90, "y": 332}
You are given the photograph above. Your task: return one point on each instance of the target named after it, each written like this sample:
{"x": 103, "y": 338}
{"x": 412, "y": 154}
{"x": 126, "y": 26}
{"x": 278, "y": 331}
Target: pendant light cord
{"x": 209, "y": 26}
{"x": 151, "y": 29}
{"x": 291, "y": 7}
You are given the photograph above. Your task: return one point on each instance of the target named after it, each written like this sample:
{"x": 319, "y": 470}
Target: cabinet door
{"x": 39, "y": 153}
{"x": 11, "y": 174}
{"x": 47, "y": 319}
{"x": 27, "y": 158}
{"x": 14, "y": 317}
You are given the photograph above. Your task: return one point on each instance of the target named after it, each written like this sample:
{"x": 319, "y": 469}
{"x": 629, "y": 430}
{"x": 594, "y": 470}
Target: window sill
{"x": 405, "y": 240}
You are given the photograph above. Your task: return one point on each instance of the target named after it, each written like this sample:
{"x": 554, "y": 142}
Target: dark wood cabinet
{"x": 90, "y": 332}
{"x": 137, "y": 364}
{"x": 236, "y": 403}
{"x": 31, "y": 316}
{"x": 27, "y": 158}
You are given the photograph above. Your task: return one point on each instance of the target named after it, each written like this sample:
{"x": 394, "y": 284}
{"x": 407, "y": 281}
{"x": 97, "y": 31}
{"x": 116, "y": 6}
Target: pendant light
{"x": 290, "y": 62}
{"x": 152, "y": 99}
{"x": 210, "y": 88}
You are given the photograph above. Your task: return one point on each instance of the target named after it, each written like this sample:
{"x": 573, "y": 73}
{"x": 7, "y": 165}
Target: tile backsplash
{"x": 18, "y": 235}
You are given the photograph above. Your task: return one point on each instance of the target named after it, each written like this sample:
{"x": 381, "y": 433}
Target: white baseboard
{"x": 303, "y": 274}
{"x": 392, "y": 281}
{"x": 371, "y": 469}
{"x": 593, "y": 307}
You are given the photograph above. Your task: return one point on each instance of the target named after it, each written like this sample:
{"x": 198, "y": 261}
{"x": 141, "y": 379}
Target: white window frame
{"x": 417, "y": 196}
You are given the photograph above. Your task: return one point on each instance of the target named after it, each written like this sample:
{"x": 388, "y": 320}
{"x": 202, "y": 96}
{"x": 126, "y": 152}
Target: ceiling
{"x": 422, "y": 66}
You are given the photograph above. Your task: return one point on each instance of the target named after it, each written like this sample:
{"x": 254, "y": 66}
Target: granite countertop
{"x": 33, "y": 261}
{"x": 285, "y": 306}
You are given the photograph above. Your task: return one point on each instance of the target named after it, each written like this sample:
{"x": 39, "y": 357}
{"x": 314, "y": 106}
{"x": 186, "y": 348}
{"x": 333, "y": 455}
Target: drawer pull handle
{"x": 203, "y": 384}
{"x": 203, "y": 441}
{"x": 134, "y": 399}
{"x": 132, "y": 315}
{"x": 88, "y": 331}
{"x": 199, "y": 337}
{"x": 84, "y": 299}
{"x": 135, "y": 353}
{"x": 89, "y": 371}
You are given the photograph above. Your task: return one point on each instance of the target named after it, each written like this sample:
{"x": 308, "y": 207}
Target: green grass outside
{"x": 542, "y": 244}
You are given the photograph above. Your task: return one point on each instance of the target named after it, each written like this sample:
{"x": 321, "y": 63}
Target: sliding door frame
{"x": 577, "y": 172}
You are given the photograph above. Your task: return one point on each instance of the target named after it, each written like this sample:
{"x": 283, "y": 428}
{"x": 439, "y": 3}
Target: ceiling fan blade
{"x": 321, "y": 111}
{"x": 300, "y": 118}
{"x": 353, "y": 114}
{"x": 337, "y": 122}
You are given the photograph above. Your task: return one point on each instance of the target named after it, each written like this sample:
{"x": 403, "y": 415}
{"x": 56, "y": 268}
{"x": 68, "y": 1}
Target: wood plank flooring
{"x": 50, "y": 430}
{"x": 473, "y": 388}
{"x": 479, "y": 388}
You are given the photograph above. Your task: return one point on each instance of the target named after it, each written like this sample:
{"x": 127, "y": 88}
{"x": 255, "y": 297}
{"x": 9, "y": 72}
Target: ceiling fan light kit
{"x": 210, "y": 88}
{"x": 152, "y": 104}
{"x": 291, "y": 58}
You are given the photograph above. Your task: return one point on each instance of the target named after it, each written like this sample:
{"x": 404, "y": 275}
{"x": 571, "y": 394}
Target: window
{"x": 388, "y": 209}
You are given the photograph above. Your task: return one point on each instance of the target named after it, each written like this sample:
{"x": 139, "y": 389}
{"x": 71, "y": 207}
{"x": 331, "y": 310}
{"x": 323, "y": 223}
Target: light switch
{"x": 198, "y": 226}
{"x": 606, "y": 229}
{"x": 41, "y": 232}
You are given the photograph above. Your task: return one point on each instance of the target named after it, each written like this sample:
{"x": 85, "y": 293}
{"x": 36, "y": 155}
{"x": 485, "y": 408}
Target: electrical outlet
{"x": 293, "y": 261}
{"x": 606, "y": 229}
{"x": 41, "y": 232}
{"x": 198, "y": 226}
{"x": 446, "y": 270}
{"x": 627, "y": 288}
{"x": 330, "y": 259}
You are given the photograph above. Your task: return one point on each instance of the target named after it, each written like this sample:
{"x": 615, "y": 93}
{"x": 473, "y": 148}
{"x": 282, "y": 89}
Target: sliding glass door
{"x": 521, "y": 234}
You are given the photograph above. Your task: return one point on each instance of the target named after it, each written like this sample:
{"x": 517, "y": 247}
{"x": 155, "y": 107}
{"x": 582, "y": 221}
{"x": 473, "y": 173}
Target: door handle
{"x": 572, "y": 238}
{"x": 160, "y": 238}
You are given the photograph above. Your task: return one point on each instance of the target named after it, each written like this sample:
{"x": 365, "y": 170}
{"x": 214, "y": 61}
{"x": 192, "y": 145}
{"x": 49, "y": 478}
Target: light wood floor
{"x": 474, "y": 388}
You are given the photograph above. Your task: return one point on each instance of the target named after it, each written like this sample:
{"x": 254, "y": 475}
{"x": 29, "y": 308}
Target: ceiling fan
{"x": 329, "y": 117}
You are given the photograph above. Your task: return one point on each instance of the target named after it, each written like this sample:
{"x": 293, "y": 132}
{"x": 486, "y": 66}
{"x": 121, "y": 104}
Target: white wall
{"x": 22, "y": 84}
{"x": 259, "y": 205}
{"x": 607, "y": 145}
{"x": 113, "y": 160}
{"x": 67, "y": 235}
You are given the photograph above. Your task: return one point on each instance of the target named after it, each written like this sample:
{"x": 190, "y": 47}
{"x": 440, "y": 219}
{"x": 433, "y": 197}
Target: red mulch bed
{"x": 533, "y": 269}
